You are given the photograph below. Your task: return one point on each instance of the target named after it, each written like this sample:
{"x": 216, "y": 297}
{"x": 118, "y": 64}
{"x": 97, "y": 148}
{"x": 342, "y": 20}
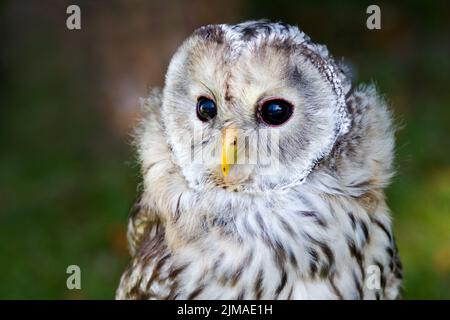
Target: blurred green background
{"x": 69, "y": 100}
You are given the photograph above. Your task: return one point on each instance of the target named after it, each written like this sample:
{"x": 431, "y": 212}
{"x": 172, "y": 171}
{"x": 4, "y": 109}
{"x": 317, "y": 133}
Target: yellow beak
{"x": 229, "y": 149}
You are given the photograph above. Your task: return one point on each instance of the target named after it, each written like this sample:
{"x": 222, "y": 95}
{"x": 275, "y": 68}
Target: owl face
{"x": 250, "y": 107}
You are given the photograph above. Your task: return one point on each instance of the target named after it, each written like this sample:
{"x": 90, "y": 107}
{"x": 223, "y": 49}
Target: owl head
{"x": 253, "y": 106}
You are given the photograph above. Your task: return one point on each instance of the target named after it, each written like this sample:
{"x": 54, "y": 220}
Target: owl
{"x": 263, "y": 169}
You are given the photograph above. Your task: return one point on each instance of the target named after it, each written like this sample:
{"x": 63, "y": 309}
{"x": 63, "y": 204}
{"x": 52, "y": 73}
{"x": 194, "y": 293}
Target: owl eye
{"x": 275, "y": 112}
{"x": 206, "y": 109}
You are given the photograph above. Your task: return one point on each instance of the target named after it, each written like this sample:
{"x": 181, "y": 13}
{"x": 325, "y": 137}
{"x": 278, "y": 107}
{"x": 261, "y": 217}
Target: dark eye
{"x": 206, "y": 109}
{"x": 275, "y": 112}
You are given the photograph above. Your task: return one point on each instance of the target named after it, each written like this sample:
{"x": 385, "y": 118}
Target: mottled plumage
{"x": 310, "y": 227}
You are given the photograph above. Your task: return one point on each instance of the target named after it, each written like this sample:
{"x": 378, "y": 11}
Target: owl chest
{"x": 308, "y": 250}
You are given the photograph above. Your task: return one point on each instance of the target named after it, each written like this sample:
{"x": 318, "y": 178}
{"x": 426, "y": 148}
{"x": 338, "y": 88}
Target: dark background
{"x": 69, "y": 100}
